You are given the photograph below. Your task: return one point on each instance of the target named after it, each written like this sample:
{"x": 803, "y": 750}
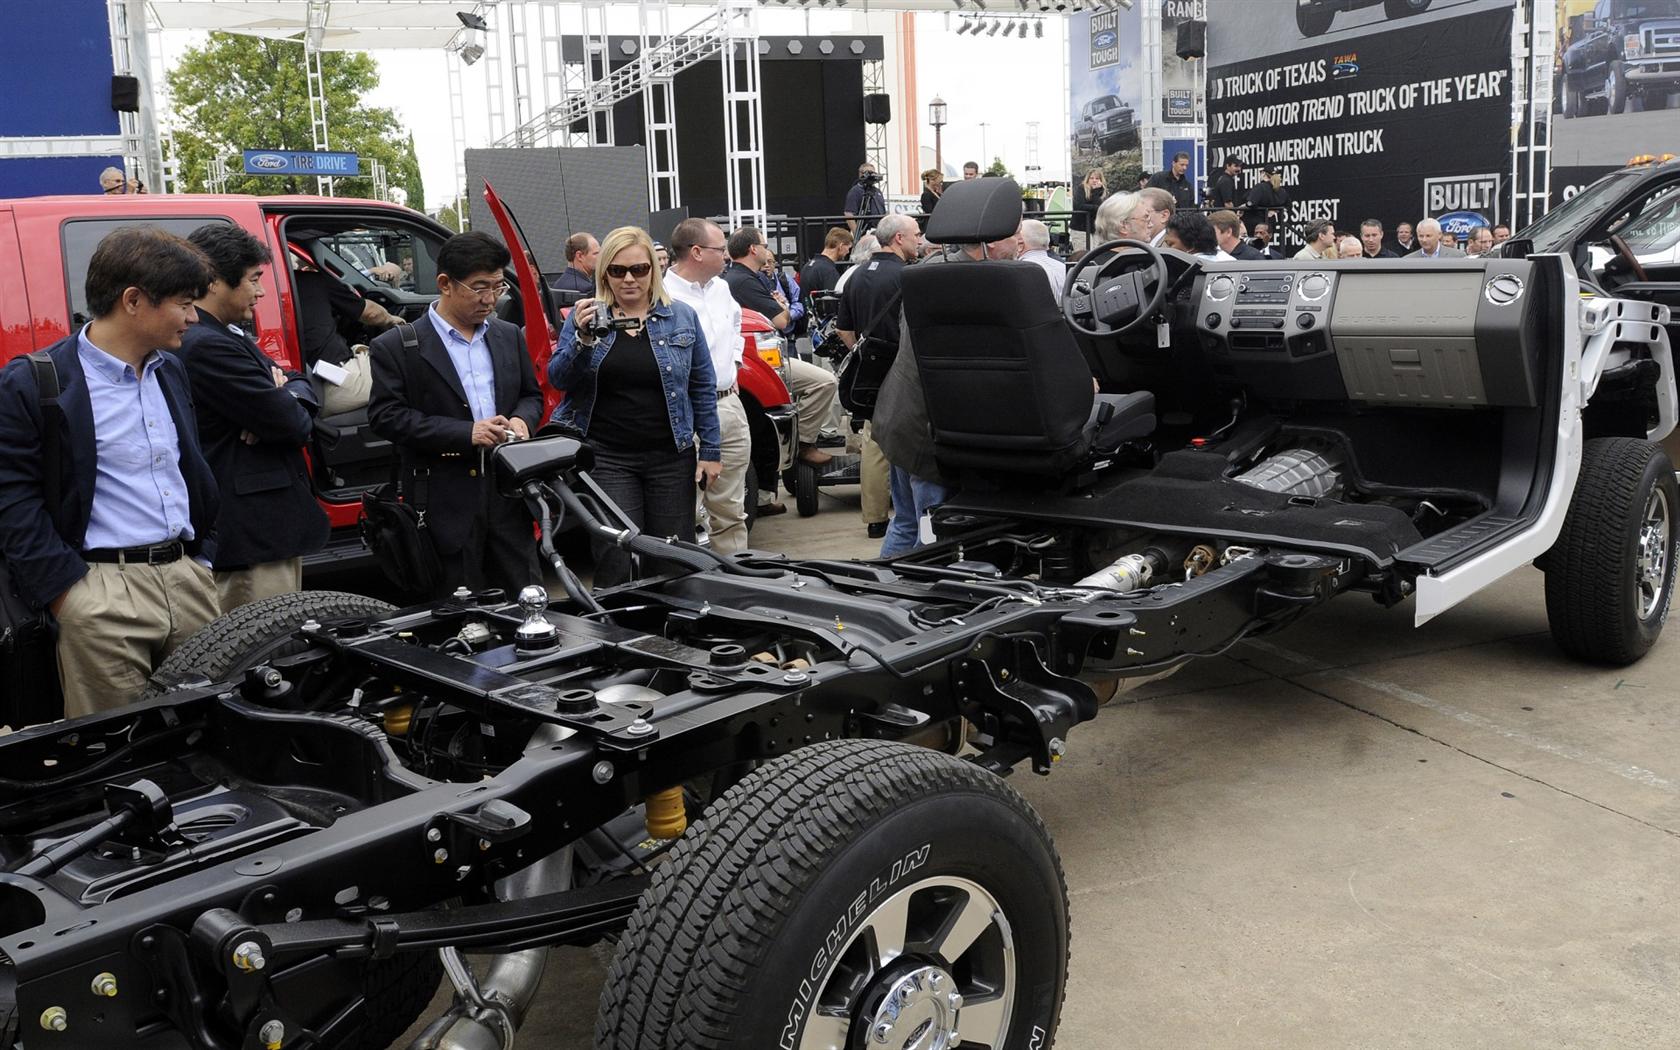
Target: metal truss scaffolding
{"x": 743, "y": 115}
{"x": 1533, "y": 50}
{"x": 875, "y": 135}
{"x": 659, "y": 106}
{"x": 317, "y": 103}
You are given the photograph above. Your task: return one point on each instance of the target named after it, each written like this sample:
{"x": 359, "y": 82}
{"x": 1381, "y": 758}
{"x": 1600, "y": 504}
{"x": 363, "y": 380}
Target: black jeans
{"x": 654, "y": 489}
{"x": 501, "y": 549}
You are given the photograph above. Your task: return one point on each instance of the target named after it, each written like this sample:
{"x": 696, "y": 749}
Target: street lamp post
{"x": 985, "y": 162}
{"x": 936, "y": 117}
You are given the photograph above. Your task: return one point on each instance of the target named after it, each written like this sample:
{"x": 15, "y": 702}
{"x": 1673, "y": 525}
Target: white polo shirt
{"x": 720, "y": 320}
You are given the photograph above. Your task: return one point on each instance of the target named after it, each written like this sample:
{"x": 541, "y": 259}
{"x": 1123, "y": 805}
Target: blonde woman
{"x": 643, "y": 395}
{"x": 933, "y": 187}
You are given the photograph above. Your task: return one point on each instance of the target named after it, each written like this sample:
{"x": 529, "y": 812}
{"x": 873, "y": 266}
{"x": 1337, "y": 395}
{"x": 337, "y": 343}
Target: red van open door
{"x": 541, "y": 319}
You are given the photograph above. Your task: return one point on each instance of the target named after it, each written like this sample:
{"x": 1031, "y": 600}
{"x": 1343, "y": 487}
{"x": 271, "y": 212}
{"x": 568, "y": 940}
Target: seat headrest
{"x": 976, "y": 211}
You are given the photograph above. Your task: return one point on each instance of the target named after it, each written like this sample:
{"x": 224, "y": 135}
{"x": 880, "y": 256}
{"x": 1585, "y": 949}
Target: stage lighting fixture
{"x": 1038, "y": 30}
{"x": 1023, "y": 4}
{"x": 993, "y": 30}
{"x": 795, "y": 47}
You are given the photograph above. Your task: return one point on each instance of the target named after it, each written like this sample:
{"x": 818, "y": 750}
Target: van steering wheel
{"x": 1121, "y": 305}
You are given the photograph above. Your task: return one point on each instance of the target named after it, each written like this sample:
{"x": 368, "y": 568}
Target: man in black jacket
{"x": 1174, "y": 181}
{"x": 465, "y": 386}
{"x": 115, "y": 543}
{"x": 1268, "y": 201}
{"x": 253, "y": 419}
{"x": 1226, "y": 195}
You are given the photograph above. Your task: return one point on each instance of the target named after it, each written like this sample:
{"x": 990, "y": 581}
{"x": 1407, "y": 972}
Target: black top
{"x": 1382, "y": 253}
{"x": 629, "y": 412}
{"x": 1179, "y": 187}
{"x": 1244, "y": 250}
{"x": 749, "y": 290}
{"x": 929, "y": 199}
{"x": 1263, "y": 198}
{"x": 1085, "y": 205}
{"x": 1225, "y": 193}
{"x": 324, "y": 301}
{"x": 268, "y": 507}
{"x": 819, "y": 275}
{"x": 572, "y": 279}
{"x": 866, "y": 294}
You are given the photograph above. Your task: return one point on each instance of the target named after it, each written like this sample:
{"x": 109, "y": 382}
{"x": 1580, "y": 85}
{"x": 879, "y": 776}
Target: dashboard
{"x": 1447, "y": 334}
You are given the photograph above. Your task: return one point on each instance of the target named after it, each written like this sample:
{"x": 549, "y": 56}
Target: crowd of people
{"x": 187, "y": 492}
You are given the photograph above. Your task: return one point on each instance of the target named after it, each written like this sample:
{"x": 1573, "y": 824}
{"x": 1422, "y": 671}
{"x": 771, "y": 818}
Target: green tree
{"x": 448, "y": 217}
{"x": 245, "y": 92}
{"x": 409, "y": 177}
{"x": 997, "y": 169}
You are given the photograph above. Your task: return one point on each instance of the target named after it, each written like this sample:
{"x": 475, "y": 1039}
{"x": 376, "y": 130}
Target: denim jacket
{"x": 685, "y": 370}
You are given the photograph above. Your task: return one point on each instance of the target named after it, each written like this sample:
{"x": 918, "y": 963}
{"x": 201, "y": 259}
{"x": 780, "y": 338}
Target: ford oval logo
{"x": 1108, "y": 38}
{"x": 268, "y": 161}
{"x": 1504, "y": 289}
{"x": 1459, "y": 223}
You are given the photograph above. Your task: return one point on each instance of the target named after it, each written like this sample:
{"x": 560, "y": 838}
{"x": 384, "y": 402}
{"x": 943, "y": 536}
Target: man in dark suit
{"x": 116, "y": 542}
{"x": 253, "y": 420}
{"x": 462, "y": 386}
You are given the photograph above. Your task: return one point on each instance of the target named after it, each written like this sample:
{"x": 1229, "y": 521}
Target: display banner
{"x": 1616, "y": 87}
{"x": 1106, "y": 86}
{"x": 1365, "y": 115}
{"x": 1178, "y": 77}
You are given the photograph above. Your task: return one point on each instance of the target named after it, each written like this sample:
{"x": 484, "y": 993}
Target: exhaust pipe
{"x": 487, "y": 1012}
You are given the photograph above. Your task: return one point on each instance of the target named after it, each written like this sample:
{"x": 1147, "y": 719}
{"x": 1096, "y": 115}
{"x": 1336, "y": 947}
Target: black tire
{"x": 1314, "y": 21}
{"x": 771, "y": 900}
{"x": 1574, "y": 102}
{"x": 805, "y": 488}
{"x": 395, "y": 992}
{"x": 1606, "y": 598}
{"x": 254, "y": 633}
{"x": 1404, "y": 8}
{"x": 1615, "y": 89}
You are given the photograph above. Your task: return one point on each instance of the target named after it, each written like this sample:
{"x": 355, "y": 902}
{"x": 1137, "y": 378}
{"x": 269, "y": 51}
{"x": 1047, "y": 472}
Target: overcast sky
{"x": 1007, "y": 83}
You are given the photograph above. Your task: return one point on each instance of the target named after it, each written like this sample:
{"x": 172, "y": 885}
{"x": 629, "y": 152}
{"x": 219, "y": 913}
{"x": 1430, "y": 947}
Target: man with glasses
{"x": 698, "y": 254}
{"x": 448, "y": 390}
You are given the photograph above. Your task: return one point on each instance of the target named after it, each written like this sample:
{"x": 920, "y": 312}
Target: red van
{"x": 45, "y": 244}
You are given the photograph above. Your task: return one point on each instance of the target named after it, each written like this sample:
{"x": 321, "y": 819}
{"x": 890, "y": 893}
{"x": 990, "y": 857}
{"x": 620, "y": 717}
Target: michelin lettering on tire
{"x": 839, "y": 935}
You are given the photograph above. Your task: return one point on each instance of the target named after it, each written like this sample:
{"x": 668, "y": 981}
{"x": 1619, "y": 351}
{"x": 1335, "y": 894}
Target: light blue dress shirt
{"x": 139, "y": 495}
{"x": 472, "y": 363}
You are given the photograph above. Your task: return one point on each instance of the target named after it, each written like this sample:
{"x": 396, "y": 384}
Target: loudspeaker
{"x": 1192, "y": 40}
{"x": 877, "y": 109}
{"x": 125, "y": 94}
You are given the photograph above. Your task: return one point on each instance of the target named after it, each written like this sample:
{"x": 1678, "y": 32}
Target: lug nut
{"x": 54, "y": 1019}
{"x": 248, "y": 956}
{"x": 272, "y": 1035}
{"x": 883, "y": 1032}
{"x": 954, "y": 1001}
{"x": 105, "y": 984}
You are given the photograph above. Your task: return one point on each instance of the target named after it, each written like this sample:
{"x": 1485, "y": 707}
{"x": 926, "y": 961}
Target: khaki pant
{"x": 725, "y": 498}
{"x": 118, "y": 623}
{"x": 244, "y": 586}
{"x": 873, "y": 476}
{"x": 351, "y": 394}
{"x": 817, "y": 392}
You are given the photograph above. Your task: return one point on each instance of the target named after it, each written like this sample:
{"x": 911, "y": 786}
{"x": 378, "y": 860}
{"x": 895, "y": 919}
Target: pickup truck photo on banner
{"x": 1616, "y": 87}
{"x": 1105, "y": 76}
{"x": 1386, "y": 109}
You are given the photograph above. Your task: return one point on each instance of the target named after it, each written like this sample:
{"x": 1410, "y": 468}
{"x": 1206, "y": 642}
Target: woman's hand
{"x": 582, "y": 313}
{"x": 706, "y": 471}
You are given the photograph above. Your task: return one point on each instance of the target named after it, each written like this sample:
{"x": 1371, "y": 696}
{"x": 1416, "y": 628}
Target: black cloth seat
{"x": 1007, "y": 389}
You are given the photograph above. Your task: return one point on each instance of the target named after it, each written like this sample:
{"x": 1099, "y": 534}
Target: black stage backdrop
{"x": 1410, "y": 119}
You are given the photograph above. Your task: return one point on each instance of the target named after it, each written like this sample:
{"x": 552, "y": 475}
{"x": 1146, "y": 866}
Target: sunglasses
{"x": 633, "y": 270}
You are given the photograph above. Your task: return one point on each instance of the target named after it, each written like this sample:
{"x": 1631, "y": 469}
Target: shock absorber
{"x": 667, "y": 816}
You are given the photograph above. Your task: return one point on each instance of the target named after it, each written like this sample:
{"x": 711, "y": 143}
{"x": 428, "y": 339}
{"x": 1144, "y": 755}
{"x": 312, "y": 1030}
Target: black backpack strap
{"x": 419, "y": 497}
{"x": 410, "y": 338}
{"x": 52, "y": 427}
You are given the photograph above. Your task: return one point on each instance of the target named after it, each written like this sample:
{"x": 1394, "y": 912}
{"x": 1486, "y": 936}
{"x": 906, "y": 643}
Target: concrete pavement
{"x": 1351, "y": 834}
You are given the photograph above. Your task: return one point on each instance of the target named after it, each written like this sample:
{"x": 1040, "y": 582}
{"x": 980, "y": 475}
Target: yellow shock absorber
{"x": 398, "y": 718}
{"x": 666, "y": 816}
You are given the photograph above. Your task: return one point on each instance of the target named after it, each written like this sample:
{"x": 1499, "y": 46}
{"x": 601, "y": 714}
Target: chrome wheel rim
{"x": 931, "y": 967}
{"x": 1651, "y": 570}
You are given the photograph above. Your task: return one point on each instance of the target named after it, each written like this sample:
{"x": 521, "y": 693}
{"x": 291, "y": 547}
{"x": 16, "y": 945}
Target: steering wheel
{"x": 1626, "y": 254}
{"x": 1121, "y": 305}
